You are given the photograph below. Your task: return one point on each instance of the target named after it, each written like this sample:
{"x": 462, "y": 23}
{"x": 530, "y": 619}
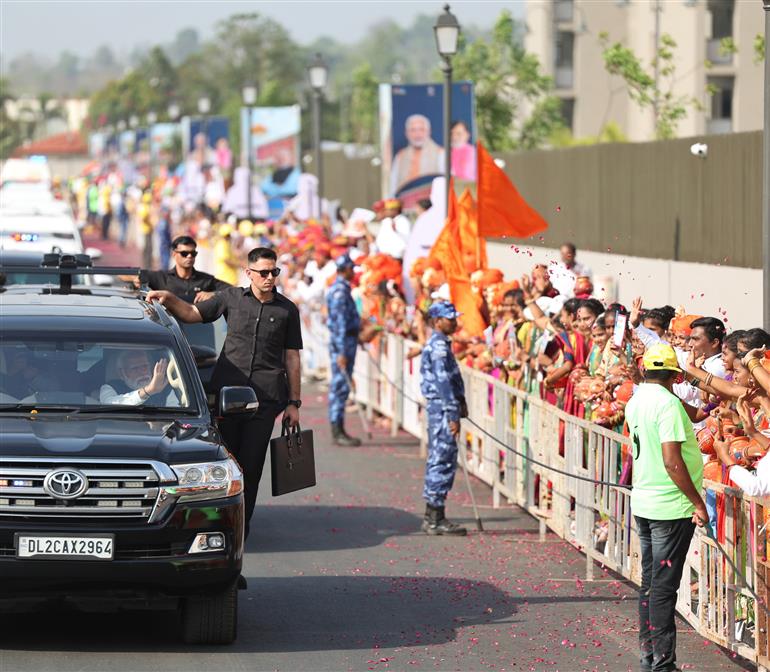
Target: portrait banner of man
{"x": 200, "y": 137}
{"x": 412, "y": 123}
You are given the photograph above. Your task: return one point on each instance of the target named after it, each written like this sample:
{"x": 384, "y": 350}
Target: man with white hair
{"x": 422, "y": 156}
{"x": 138, "y": 382}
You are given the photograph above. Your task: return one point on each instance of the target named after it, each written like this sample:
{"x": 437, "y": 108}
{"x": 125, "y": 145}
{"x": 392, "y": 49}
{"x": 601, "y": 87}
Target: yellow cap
{"x": 661, "y": 357}
{"x": 147, "y": 198}
{"x": 245, "y": 228}
{"x": 225, "y": 230}
{"x": 260, "y": 229}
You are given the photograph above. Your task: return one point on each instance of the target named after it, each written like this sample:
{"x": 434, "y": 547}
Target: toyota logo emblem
{"x": 65, "y": 484}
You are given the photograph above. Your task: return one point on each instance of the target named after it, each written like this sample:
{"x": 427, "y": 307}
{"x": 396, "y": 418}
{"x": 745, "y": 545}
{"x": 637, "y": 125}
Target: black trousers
{"x": 248, "y": 439}
{"x": 664, "y": 545}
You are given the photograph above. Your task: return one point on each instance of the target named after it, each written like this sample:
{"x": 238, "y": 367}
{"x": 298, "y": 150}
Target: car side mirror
{"x": 236, "y": 400}
{"x": 204, "y": 356}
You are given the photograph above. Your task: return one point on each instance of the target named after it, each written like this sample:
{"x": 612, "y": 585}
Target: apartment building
{"x": 565, "y": 34}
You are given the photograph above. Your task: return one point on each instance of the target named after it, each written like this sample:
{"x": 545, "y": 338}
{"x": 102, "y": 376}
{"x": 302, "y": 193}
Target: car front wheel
{"x": 211, "y": 619}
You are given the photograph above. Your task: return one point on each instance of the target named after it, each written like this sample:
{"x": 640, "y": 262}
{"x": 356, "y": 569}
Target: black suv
{"x": 110, "y": 496}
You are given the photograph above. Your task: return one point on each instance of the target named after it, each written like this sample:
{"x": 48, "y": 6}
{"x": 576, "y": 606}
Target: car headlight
{"x": 206, "y": 480}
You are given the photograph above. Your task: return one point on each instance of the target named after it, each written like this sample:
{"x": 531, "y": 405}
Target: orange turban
{"x": 681, "y": 324}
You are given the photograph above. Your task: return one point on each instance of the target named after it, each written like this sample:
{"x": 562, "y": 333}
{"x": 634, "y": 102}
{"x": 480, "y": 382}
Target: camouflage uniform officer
{"x": 442, "y": 386}
{"x": 344, "y": 324}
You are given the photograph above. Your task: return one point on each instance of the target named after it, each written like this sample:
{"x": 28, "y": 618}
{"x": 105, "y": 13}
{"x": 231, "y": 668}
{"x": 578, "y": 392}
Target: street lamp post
{"x": 317, "y": 75}
{"x": 766, "y": 180}
{"x": 151, "y": 119}
{"x": 249, "y": 100}
{"x": 204, "y": 106}
{"x": 447, "y": 32}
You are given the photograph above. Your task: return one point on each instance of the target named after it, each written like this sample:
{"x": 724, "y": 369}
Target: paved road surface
{"x": 339, "y": 578}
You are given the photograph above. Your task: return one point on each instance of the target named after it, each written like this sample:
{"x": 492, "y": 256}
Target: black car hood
{"x": 164, "y": 440}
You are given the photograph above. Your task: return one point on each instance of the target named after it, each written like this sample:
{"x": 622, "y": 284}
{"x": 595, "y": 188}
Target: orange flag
{"x": 502, "y": 210}
{"x": 474, "y": 246}
{"x": 446, "y": 245}
{"x": 448, "y": 250}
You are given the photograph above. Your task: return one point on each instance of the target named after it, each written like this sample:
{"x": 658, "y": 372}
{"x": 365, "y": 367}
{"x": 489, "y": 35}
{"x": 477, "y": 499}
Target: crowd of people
{"x": 693, "y": 398}
{"x": 546, "y": 332}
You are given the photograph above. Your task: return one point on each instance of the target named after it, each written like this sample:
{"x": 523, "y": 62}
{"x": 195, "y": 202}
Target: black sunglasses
{"x": 187, "y": 253}
{"x": 275, "y": 272}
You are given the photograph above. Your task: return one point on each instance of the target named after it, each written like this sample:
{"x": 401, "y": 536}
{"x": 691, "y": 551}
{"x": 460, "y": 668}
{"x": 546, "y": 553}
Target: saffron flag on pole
{"x": 474, "y": 246}
{"x": 501, "y": 209}
{"x": 447, "y": 243}
{"x": 448, "y": 250}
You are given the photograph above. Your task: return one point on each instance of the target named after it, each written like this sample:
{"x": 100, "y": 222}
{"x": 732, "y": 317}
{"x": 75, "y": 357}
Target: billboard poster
{"x": 275, "y": 151}
{"x": 126, "y": 143}
{"x": 208, "y": 140}
{"x": 140, "y": 139}
{"x": 274, "y": 132}
{"x": 97, "y": 143}
{"x": 412, "y": 128}
{"x": 162, "y": 139}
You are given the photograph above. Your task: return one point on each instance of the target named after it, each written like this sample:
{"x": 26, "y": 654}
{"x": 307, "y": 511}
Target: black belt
{"x": 351, "y": 332}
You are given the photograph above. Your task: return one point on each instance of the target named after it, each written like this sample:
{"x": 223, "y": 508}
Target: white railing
{"x": 593, "y": 517}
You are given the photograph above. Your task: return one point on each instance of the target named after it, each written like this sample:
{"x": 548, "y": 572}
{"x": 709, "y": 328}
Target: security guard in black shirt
{"x": 183, "y": 280}
{"x": 262, "y": 349}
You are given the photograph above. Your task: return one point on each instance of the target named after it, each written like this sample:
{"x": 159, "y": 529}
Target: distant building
{"x": 564, "y": 34}
{"x": 72, "y": 114}
{"x": 67, "y": 152}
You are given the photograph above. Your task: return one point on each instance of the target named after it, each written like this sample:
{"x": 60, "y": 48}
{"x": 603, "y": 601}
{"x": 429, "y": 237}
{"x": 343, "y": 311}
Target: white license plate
{"x": 64, "y": 546}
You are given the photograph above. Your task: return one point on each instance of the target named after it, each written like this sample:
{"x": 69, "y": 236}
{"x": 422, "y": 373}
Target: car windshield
{"x": 79, "y": 374}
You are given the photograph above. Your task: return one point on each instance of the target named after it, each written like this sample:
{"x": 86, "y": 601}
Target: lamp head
{"x": 447, "y": 32}
{"x": 249, "y": 94}
{"x": 317, "y": 73}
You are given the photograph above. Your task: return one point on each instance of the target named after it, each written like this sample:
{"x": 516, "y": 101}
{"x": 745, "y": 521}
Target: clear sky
{"x": 48, "y": 27}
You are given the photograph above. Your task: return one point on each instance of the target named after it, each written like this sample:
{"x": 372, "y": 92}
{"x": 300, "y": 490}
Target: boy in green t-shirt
{"x": 665, "y": 501}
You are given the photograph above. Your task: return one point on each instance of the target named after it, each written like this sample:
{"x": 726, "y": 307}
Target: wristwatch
{"x": 295, "y": 402}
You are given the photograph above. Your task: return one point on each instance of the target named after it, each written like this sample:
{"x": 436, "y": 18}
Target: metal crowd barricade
{"x": 595, "y": 517}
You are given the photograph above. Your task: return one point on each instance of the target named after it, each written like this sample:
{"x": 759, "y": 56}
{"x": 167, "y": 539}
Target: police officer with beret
{"x": 344, "y": 324}
{"x": 442, "y": 386}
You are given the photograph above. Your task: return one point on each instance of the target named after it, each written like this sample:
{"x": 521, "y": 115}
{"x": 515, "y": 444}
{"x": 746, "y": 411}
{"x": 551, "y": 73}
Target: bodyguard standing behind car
{"x": 184, "y": 279}
{"x": 261, "y": 350}
{"x": 344, "y": 324}
{"x": 442, "y": 386}
{"x": 665, "y": 500}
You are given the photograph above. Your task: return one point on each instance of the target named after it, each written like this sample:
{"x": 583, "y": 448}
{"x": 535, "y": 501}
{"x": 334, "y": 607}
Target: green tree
{"x": 186, "y": 43}
{"x": 103, "y": 58}
{"x": 643, "y": 87}
{"x": 610, "y": 132}
{"x": 10, "y": 132}
{"x": 508, "y": 81}
{"x": 364, "y": 105}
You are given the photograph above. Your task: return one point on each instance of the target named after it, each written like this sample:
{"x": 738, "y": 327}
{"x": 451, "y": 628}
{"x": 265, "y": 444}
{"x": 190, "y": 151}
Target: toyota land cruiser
{"x": 116, "y": 490}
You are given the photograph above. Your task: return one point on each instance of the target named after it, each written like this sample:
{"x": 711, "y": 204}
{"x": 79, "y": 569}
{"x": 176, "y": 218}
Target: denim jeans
{"x": 664, "y": 545}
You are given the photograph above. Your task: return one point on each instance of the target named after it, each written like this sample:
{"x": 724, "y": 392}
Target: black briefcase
{"x": 292, "y": 462}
